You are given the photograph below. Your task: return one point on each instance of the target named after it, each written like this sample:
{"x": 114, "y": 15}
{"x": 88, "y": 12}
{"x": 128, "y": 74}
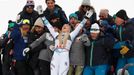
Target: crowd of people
{"x": 47, "y": 43}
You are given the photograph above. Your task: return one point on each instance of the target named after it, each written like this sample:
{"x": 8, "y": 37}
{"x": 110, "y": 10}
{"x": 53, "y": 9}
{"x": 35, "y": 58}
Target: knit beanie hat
{"x": 95, "y": 28}
{"x": 11, "y": 24}
{"x": 86, "y": 2}
{"x": 39, "y": 22}
{"x": 30, "y": 3}
{"x": 73, "y": 15}
{"x": 122, "y": 14}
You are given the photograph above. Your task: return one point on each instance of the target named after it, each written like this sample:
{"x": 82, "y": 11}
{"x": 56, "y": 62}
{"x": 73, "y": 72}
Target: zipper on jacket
{"x": 91, "y": 53}
{"x": 120, "y": 33}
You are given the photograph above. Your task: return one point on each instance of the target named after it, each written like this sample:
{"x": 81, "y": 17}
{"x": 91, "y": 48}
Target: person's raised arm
{"x": 81, "y": 24}
{"x": 50, "y": 27}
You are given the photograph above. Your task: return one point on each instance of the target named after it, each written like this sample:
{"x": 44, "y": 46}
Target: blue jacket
{"x": 125, "y": 37}
{"x": 19, "y": 44}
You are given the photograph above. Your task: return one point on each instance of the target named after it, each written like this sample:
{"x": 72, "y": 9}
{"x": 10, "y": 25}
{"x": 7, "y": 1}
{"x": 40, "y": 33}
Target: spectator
{"x": 124, "y": 35}
{"x": 97, "y": 52}
{"x": 85, "y": 6}
{"x": 37, "y": 30}
{"x": 104, "y": 16}
{"x": 28, "y": 12}
{"x": 7, "y": 47}
{"x": 56, "y": 10}
{"x": 73, "y": 20}
{"x": 77, "y": 50}
{"x": 20, "y": 39}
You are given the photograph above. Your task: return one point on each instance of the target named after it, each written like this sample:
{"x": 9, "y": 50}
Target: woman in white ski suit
{"x": 63, "y": 41}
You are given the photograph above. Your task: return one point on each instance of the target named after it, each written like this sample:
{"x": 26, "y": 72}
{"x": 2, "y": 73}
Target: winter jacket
{"x": 57, "y": 12}
{"x": 20, "y": 43}
{"x": 34, "y": 53}
{"x": 24, "y": 15}
{"x": 1, "y": 42}
{"x": 46, "y": 53}
{"x": 99, "y": 51}
{"x": 77, "y": 52}
{"x": 80, "y": 15}
{"x": 125, "y": 34}
{"x": 31, "y": 38}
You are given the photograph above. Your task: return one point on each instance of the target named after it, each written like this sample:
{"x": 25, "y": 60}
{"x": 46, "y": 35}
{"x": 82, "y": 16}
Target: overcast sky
{"x": 10, "y": 8}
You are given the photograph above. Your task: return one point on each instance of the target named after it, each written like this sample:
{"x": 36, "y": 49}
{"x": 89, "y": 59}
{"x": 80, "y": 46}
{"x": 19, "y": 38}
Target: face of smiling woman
{"x": 50, "y": 4}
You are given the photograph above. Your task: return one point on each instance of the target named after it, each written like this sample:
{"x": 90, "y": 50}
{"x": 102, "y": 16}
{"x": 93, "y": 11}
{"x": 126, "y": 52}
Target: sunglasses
{"x": 85, "y": 6}
{"x": 94, "y": 29}
{"x": 101, "y": 16}
{"x": 30, "y": 7}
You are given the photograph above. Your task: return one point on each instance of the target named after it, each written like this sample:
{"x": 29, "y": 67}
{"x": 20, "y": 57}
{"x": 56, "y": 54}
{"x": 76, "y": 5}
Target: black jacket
{"x": 34, "y": 53}
{"x": 98, "y": 53}
{"x": 32, "y": 17}
{"x": 129, "y": 36}
{"x": 56, "y": 13}
{"x": 31, "y": 38}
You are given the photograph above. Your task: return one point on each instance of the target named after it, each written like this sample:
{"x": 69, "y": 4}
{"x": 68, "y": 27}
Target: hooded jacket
{"x": 19, "y": 44}
{"x": 125, "y": 34}
{"x": 30, "y": 16}
{"x": 57, "y": 12}
{"x": 98, "y": 53}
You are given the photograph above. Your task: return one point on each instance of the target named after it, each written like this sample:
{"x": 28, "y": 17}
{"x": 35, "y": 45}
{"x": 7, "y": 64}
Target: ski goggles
{"x": 26, "y": 21}
{"x": 94, "y": 30}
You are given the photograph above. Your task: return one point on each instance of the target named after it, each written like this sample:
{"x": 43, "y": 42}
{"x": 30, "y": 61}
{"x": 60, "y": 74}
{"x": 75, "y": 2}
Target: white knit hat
{"x": 30, "y": 2}
{"x": 95, "y": 28}
{"x": 86, "y": 2}
{"x": 39, "y": 22}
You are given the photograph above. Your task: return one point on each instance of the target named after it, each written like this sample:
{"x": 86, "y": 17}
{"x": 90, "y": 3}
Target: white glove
{"x": 89, "y": 13}
{"x": 51, "y": 47}
{"x": 45, "y": 21}
{"x": 39, "y": 9}
{"x": 25, "y": 51}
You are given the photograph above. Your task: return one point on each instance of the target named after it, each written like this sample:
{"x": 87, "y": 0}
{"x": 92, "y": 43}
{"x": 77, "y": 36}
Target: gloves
{"x": 51, "y": 47}
{"x": 88, "y": 43}
{"x": 89, "y": 14}
{"x": 25, "y": 51}
{"x": 124, "y": 50}
{"x": 45, "y": 21}
{"x": 39, "y": 9}
{"x": 84, "y": 38}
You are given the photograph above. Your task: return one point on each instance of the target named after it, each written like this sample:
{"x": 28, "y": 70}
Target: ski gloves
{"x": 25, "y": 51}
{"x": 124, "y": 50}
